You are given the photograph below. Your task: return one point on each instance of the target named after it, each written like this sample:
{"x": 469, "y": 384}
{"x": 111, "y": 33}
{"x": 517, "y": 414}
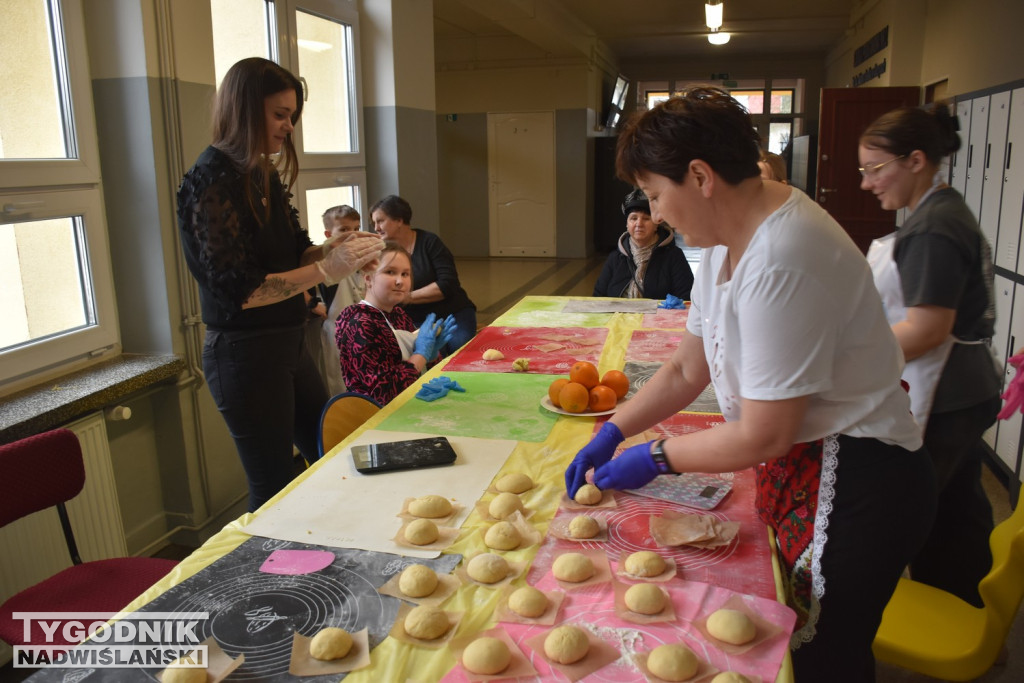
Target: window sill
{"x": 53, "y": 403}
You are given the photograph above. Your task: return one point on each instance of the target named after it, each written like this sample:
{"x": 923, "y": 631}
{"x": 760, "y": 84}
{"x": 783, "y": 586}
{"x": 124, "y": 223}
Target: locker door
{"x": 1003, "y": 242}
{"x": 1004, "y": 289}
{"x": 1013, "y": 172}
{"x": 976, "y": 154}
{"x": 958, "y": 178}
{"x": 1008, "y": 441}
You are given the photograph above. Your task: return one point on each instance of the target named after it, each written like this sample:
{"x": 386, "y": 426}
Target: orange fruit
{"x": 618, "y": 382}
{"x": 584, "y": 373}
{"x": 573, "y": 398}
{"x": 554, "y": 390}
{"x": 601, "y": 398}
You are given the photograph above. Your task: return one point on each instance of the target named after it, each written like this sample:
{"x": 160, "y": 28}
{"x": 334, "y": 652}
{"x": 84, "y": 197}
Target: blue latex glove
{"x": 596, "y": 453}
{"x": 448, "y": 326}
{"x": 426, "y": 341}
{"x": 632, "y": 469}
{"x": 438, "y": 388}
{"x": 672, "y": 301}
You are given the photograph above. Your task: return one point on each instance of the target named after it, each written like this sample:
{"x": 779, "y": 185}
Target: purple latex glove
{"x": 1014, "y": 394}
{"x": 632, "y": 469}
{"x": 596, "y": 453}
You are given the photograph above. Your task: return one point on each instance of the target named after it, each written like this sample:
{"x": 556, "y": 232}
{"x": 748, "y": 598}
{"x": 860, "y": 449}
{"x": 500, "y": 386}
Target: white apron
{"x": 923, "y": 372}
{"x": 406, "y": 340}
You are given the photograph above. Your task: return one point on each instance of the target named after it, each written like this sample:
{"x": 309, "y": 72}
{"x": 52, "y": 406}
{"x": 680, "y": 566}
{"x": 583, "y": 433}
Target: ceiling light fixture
{"x": 718, "y": 38}
{"x": 713, "y": 13}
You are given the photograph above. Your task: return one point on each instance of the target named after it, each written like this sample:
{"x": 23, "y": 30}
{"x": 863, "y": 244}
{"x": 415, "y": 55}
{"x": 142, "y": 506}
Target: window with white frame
{"x": 56, "y": 289}
{"x": 318, "y": 41}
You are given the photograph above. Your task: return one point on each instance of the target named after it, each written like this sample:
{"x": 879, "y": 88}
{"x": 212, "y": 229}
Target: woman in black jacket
{"x": 647, "y": 263}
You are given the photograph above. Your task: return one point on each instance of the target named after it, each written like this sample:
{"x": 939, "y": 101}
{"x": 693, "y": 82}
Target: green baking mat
{"x": 545, "y": 312}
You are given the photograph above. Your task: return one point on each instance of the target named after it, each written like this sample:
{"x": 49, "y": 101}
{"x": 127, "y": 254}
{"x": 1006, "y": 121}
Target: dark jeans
{"x": 882, "y": 510}
{"x": 957, "y": 556}
{"x": 269, "y": 391}
{"x": 465, "y": 329}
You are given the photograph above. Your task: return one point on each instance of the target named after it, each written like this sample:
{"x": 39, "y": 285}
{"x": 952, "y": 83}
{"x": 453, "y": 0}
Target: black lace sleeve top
{"x": 228, "y": 250}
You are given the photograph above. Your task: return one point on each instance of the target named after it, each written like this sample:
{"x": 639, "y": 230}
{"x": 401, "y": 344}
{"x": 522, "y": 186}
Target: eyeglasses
{"x": 871, "y": 171}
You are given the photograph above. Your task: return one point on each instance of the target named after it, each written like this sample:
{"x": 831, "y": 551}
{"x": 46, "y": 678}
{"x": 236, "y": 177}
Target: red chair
{"x": 47, "y": 470}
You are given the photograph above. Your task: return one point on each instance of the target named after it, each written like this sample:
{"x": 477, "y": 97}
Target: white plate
{"x": 548, "y": 405}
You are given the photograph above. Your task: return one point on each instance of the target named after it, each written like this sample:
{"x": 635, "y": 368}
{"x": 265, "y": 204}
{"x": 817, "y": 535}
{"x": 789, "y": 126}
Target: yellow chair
{"x": 935, "y": 633}
{"x": 341, "y": 416}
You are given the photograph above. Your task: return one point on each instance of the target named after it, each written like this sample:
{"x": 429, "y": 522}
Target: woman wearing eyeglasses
{"x": 935, "y": 277}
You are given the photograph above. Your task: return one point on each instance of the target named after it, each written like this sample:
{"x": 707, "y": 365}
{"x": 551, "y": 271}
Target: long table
{"x": 504, "y": 406}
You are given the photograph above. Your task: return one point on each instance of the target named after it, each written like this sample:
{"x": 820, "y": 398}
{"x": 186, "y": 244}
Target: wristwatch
{"x": 660, "y": 461}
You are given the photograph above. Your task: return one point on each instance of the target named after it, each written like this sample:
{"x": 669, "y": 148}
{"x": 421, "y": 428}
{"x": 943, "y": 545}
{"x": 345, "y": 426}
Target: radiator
{"x": 33, "y": 548}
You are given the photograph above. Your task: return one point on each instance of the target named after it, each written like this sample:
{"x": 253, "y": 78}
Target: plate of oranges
{"x": 586, "y": 392}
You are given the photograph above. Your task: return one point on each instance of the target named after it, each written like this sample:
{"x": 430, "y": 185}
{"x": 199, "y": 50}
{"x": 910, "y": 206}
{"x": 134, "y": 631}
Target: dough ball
{"x": 528, "y": 602}
{"x": 432, "y": 506}
{"x": 572, "y": 567}
{"x": 514, "y": 483}
{"x": 730, "y": 677}
{"x": 588, "y": 494}
{"x": 583, "y": 526}
{"x": 503, "y": 536}
{"x": 417, "y": 581}
{"x": 421, "y": 532}
{"x": 486, "y": 656}
{"x": 731, "y": 626}
{"x": 645, "y": 563}
{"x": 673, "y": 662}
{"x": 493, "y": 354}
{"x": 487, "y": 568}
{"x": 426, "y": 622}
{"x": 520, "y": 365}
{"x": 330, "y": 643}
{"x": 566, "y": 644}
{"x": 504, "y": 504}
{"x": 176, "y": 673}
{"x": 646, "y": 598}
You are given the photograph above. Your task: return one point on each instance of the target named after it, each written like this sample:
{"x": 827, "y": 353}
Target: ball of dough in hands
{"x": 504, "y": 505}
{"x": 731, "y": 626}
{"x": 330, "y": 643}
{"x": 572, "y": 567}
{"x": 588, "y": 494}
{"x": 566, "y": 644}
{"x": 421, "y": 532}
{"x": 514, "y": 483}
{"x": 417, "y": 581}
{"x": 645, "y": 598}
{"x": 528, "y": 602}
{"x": 673, "y": 662}
{"x": 486, "y": 656}
{"x": 730, "y": 677}
{"x": 487, "y": 568}
{"x": 176, "y": 672}
{"x": 645, "y": 563}
{"x": 584, "y": 526}
{"x": 432, "y": 506}
{"x": 503, "y": 536}
{"x": 426, "y": 622}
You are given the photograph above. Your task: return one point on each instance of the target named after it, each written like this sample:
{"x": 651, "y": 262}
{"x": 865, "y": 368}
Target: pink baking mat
{"x": 666, "y": 318}
{"x": 551, "y": 350}
{"x": 653, "y": 345}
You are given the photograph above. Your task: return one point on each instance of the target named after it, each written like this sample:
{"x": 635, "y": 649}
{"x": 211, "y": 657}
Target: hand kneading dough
{"x": 528, "y": 602}
{"x": 417, "y": 581}
{"x": 731, "y": 626}
{"x": 176, "y": 673}
{"x": 673, "y": 662}
{"x": 645, "y": 563}
{"x": 487, "y": 568}
{"x": 426, "y": 622}
{"x": 486, "y": 656}
{"x": 432, "y": 506}
{"x": 421, "y": 532}
{"x": 504, "y": 504}
{"x": 514, "y": 483}
{"x": 493, "y": 354}
{"x": 584, "y": 526}
{"x": 588, "y": 494}
{"x": 566, "y": 644}
{"x": 730, "y": 677}
{"x": 503, "y": 536}
{"x": 645, "y": 598}
{"x": 573, "y": 567}
{"x": 330, "y": 643}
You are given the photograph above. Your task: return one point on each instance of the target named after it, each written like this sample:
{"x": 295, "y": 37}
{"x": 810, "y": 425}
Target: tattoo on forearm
{"x": 277, "y": 289}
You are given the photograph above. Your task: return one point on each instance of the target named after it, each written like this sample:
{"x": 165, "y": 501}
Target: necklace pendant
{"x": 264, "y": 201}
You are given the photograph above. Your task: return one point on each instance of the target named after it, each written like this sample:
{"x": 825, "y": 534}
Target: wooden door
{"x": 521, "y": 164}
{"x": 845, "y": 113}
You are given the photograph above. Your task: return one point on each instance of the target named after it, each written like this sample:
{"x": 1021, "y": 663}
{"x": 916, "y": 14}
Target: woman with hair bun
{"x": 935, "y": 277}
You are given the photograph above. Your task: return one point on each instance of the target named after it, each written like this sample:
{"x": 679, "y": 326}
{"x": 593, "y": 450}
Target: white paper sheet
{"x": 339, "y": 507}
